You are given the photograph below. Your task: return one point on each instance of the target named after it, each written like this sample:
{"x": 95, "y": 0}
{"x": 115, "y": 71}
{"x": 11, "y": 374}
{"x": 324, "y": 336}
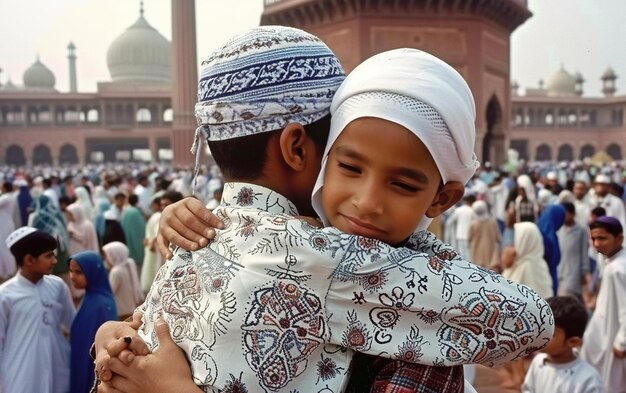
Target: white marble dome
{"x": 140, "y": 54}
{"x": 561, "y": 83}
{"x": 38, "y": 77}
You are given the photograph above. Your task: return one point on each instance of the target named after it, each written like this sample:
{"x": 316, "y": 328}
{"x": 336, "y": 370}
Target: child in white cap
{"x": 35, "y": 309}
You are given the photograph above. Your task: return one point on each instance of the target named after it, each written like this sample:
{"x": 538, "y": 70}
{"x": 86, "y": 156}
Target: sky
{"x": 580, "y": 35}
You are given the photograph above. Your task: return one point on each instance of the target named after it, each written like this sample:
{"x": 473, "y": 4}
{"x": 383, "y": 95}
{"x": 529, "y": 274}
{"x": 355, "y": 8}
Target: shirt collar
{"x": 257, "y": 197}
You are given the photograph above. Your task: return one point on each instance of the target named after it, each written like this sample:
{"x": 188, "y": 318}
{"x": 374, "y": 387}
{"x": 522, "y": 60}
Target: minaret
{"x": 71, "y": 56}
{"x": 184, "y": 79}
{"x": 608, "y": 82}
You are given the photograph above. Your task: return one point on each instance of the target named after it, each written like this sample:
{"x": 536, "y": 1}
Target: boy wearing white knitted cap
{"x": 272, "y": 303}
{"x": 35, "y": 309}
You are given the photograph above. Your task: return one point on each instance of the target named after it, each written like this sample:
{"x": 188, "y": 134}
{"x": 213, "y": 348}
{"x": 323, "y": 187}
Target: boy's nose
{"x": 367, "y": 200}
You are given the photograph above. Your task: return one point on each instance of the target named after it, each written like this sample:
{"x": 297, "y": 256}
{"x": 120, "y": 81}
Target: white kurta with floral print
{"x": 276, "y": 305}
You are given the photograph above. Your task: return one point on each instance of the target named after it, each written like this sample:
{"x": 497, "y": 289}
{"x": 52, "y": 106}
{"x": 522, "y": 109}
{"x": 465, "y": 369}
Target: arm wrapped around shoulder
{"x": 431, "y": 307}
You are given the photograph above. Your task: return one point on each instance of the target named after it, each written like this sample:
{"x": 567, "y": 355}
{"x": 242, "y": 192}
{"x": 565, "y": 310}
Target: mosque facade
{"x": 134, "y": 111}
{"x": 557, "y": 122}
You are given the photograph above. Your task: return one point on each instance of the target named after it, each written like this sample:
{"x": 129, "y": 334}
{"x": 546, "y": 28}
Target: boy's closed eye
{"x": 349, "y": 168}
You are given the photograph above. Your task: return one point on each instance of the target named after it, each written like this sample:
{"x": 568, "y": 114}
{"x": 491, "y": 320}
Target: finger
{"x": 136, "y": 322}
{"x": 191, "y": 224}
{"x": 184, "y": 239}
{"x": 132, "y": 343}
{"x": 163, "y": 246}
{"x": 106, "y": 387}
{"x": 126, "y": 356}
{"x": 103, "y": 370}
{"x": 162, "y": 331}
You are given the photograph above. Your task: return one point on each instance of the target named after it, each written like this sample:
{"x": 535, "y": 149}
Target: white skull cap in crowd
{"x": 18, "y": 235}
{"x": 416, "y": 90}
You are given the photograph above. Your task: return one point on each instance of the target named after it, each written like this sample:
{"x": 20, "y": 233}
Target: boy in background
{"x": 604, "y": 344}
{"x": 558, "y": 368}
{"x": 35, "y": 309}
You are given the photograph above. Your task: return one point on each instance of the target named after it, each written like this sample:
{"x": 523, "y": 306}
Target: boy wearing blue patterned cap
{"x": 269, "y": 304}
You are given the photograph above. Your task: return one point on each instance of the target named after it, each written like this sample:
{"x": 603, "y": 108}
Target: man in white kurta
{"x": 34, "y": 354}
{"x": 7, "y": 207}
{"x": 606, "y": 332}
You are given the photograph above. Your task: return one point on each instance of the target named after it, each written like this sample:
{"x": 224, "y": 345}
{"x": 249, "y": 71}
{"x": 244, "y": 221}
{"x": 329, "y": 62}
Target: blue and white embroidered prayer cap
{"x": 263, "y": 80}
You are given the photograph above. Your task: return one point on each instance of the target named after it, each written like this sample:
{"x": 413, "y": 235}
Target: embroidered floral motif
{"x": 356, "y": 336}
{"x": 429, "y": 316}
{"x": 248, "y": 227}
{"x": 327, "y": 368}
{"x": 411, "y": 348}
{"x": 246, "y": 196}
{"x": 284, "y": 324}
{"x": 373, "y": 282}
{"x": 397, "y": 299}
{"x": 234, "y": 385}
{"x": 319, "y": 242}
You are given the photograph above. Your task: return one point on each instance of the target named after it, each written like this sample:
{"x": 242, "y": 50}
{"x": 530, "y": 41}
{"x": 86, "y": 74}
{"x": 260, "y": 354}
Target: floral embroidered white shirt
{"x": 273, "y": 304}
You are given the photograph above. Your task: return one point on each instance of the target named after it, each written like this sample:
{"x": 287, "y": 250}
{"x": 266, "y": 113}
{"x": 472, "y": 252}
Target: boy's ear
{"x": 574, "y": 342}
{"x": 446, "y": 197}
{"x": 293, "y": 146}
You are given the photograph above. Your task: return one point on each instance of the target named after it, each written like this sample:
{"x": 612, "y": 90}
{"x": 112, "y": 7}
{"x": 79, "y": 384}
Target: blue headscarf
{"x": 550, "y": 220}
{"x": 99, "y": 221}
{"x": 97, "y": 307}
{"x": 24, "y": 200}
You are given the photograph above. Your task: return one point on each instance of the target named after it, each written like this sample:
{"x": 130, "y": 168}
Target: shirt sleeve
{"x": 429, "y": 306}
{"x": 528, "y": 386}
{"x": 68, "y": 309}
{"x": 619, "y": 284}
{"x": 4, "y": 321}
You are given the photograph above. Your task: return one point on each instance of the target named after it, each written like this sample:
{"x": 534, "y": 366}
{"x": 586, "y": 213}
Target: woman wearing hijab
{"x": 523, "y": 262}
{"x": 24, "y": 201}
{"x": 81, "y": 231}
{"x": 88, "y": 273}
{"x": 550, "y": 221}
{"x": 48, "y": 218}
{"x": 124, "y": 278}
{"x": 113, "y": 231}
{"x": 84, "y": 201}
{"x": 484, "y": 237}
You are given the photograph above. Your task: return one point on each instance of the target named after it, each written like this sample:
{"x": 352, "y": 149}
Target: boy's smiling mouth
{"x": 362, "y": 228}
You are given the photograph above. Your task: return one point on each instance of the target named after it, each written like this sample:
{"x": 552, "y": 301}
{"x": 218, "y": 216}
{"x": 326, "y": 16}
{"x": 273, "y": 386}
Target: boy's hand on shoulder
{"x": 119, "y": 340}
{"x": 187, "y": 224}
{"x": 166, "y": 370}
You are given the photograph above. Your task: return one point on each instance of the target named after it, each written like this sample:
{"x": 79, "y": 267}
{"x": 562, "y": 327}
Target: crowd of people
{"x": 95, "y": 228}
{"x": 360, "y": 300}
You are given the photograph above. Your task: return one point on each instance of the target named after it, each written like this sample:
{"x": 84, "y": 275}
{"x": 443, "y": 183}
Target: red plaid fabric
{"x": 380, "y": 375}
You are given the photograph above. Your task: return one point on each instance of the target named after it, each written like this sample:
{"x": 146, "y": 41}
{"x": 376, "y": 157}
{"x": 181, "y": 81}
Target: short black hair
{"x": 47, "y": 182}
{"x": 8, "y": 186}
{"x": 172, "y": 196}
{"x": 35, "y": 244}
{"x": 598, "y": 211}
{"x": 133, "y": 199}
{"x": 244, "y": 158}
{"x": 569, "y": 207}
{"x": 120, "y": 195}
{"x": 569, "y": 315}
{"x": 614, "y": 227}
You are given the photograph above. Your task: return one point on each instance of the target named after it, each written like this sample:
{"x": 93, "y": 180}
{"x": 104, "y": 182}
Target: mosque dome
{"x": 9, "y": 86}
{"x": 140, "y": 54}
{"x": 39, "y": 77}
{"x": 609, "y": 74}
{"x": 561, "y": 83}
